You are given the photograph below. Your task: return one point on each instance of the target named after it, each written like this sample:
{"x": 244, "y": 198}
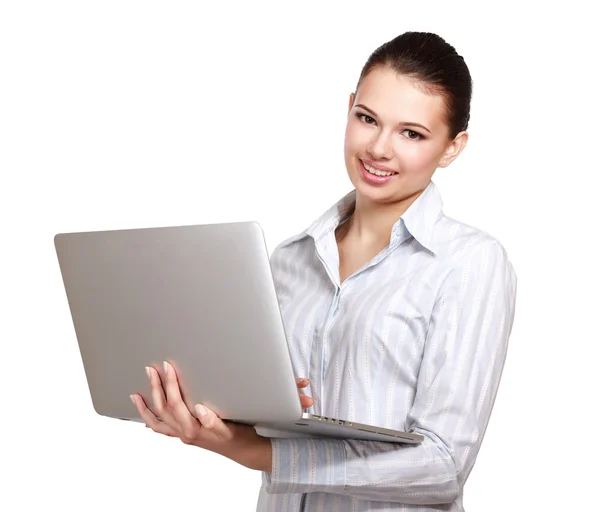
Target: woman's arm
{"x": 462, "y": 364}
{"x": 204, "y": 428}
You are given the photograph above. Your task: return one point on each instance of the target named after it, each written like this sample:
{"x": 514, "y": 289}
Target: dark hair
{"x": 435, "y": 65}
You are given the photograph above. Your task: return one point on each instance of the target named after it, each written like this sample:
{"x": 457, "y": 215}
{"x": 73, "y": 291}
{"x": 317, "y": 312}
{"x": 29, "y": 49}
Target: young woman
{"x": 399, "y": 315}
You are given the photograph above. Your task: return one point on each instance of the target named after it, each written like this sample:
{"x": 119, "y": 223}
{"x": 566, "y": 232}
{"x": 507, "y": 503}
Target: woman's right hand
{"x": 306, "y": 401}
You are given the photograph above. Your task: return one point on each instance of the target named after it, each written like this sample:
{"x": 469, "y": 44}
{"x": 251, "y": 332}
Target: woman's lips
{"x": 373, "y": 178}
{"x": 378, "y": 166}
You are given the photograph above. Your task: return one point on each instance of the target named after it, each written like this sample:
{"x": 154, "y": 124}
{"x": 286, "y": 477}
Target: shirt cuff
{"x": 307, "y": 465}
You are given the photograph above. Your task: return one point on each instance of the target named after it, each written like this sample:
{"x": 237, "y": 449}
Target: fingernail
{"x": 148, "y": 371}
{"x": 131, "y": 396}
{"x": 201, "y": 410}
{"x": 166, "y": 367}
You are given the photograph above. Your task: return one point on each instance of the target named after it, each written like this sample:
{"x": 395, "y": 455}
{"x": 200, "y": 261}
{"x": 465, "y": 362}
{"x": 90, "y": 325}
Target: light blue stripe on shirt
{"x": 415, "y": 340}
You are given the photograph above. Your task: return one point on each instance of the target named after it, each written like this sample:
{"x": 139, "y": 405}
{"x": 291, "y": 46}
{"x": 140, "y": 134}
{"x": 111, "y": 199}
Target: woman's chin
{"x": 373, "y": 193}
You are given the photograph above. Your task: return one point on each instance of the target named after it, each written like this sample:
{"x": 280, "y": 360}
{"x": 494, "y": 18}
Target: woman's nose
{"x": 380, "y": 147}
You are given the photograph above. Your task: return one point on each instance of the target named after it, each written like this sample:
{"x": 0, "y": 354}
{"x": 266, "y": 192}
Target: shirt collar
{"x": 419, "y": 219}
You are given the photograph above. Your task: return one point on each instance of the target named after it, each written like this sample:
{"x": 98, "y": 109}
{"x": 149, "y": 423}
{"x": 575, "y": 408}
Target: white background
{"x": 120, "y": 114}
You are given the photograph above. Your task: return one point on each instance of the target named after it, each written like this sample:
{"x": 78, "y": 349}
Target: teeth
{"x": 377, "y": 172}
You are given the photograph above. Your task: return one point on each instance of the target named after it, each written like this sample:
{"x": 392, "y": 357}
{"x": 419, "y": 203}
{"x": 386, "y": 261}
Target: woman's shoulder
{"x": 292, "y": 239}
{"x": 458, "y": 239}
{"x": 288, "y": 243}
{"x": 470, "y": 252}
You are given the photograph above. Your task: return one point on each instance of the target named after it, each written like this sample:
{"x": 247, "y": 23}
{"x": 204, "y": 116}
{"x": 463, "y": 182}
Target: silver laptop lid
{"x": 201, "y": 297}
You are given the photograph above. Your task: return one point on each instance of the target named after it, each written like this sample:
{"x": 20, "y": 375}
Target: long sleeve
{"x": 463, "y": 358}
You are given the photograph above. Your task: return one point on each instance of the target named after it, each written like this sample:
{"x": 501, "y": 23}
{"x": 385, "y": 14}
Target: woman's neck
{"x": 371, "y": 223}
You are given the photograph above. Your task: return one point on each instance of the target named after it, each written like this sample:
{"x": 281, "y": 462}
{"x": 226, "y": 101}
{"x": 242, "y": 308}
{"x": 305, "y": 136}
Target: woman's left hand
{"x": 205, "y": 430}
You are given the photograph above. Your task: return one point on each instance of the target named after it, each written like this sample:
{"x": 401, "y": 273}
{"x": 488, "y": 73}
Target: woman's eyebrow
{"x": 401, "y": 123}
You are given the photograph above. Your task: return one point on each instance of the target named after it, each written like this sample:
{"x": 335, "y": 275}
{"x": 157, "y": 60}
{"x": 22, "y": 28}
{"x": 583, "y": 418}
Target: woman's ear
{"x": 350, "y": 102}
{"x": 454, "y": 149}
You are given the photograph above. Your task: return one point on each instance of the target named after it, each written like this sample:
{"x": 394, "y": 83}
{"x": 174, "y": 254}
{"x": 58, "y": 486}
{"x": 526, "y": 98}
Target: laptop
{"x": 203, "y": 298}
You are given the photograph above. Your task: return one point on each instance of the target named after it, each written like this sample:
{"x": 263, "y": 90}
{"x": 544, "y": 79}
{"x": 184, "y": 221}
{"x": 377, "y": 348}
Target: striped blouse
{"x": 415, "y": 340}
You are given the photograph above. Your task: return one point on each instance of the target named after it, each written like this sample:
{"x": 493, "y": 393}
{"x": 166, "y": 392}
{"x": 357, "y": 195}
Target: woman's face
{"x": 394, "y": 127}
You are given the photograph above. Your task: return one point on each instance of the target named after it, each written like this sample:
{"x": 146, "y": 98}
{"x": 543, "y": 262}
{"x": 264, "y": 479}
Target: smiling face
{"x": 396, "y": 137}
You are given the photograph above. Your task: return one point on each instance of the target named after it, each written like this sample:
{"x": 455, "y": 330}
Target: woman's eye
{"x": 412, "y": 135}
{"x": 367, "y": 119}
